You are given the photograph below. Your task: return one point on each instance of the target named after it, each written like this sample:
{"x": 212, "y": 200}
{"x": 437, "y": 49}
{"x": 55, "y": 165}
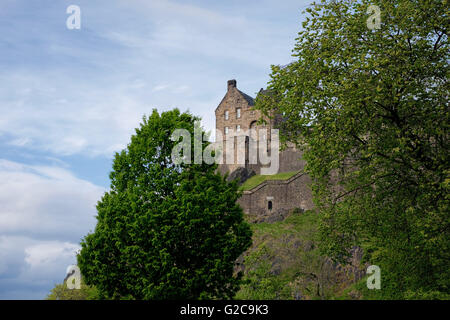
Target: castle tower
{"x": 236, "y": 117}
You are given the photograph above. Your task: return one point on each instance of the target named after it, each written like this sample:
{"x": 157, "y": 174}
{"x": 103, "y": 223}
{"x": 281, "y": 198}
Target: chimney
{"x": 231, "y": 84}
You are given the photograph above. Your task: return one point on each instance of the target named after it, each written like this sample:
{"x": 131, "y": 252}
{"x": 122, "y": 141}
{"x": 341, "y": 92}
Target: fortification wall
{"x": 291, "y": 160}
{"x": 284, "y": 196}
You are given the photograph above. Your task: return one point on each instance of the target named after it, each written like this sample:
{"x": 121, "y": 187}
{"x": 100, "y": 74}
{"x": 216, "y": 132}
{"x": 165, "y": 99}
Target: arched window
{"x": 269, "y": 205}
{"x": 253, "y": 130}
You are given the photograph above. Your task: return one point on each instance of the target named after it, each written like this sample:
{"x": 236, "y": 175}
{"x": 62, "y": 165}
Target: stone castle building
{"x": 247, "y": 145}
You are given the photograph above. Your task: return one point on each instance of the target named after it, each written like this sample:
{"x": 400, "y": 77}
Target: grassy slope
{"x": 258, "y": 179}
{"x": 284, "y": 263}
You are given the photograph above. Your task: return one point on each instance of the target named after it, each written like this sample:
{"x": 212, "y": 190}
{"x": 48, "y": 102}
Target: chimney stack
{"x": 231, "y": 84}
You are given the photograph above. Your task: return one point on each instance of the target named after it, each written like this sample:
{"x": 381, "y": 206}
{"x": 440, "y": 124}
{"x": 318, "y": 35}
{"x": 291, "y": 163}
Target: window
{"x": 269, "y": 205}
{"x": 226, "y": 115}
{"x": 238, "y": 113}
{"x": 226, "y": 130}
{"x": 238, "y": 128}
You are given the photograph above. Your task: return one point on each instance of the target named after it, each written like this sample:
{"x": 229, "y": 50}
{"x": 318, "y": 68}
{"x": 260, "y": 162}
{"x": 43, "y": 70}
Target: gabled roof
{"x": 250, "y": 100}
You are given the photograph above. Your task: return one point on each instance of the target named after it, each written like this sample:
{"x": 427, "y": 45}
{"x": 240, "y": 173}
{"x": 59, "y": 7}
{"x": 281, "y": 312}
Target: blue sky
{"x": 69, "y": 99}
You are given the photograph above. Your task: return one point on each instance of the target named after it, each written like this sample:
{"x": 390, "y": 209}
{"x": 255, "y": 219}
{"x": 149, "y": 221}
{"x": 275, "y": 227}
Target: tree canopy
{"x": 165, "y": 230}
{"x": 62, "y": 292}
{"x": 369, "y": 107}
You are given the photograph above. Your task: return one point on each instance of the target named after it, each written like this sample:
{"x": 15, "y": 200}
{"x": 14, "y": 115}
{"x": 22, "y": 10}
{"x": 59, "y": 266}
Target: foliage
{"x": 284, "y": 262}
{"x": 61, "y": 292}
{"x": 370, "y": 110}
{"x": 165, "y": 230}
{"x": 360, "y": 290}
{"x": 259, "y": 283}
{"x": 258, "y": 179}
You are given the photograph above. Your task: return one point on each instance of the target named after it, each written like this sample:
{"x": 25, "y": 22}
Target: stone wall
{"x": 291, "y": 160}
{"x": 284, "y": 195}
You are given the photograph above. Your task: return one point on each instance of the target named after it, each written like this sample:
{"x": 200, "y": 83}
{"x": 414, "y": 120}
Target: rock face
{"x": 269, "y": 217}
{"x": 285, "y": 262}
{"x": 241, "y": 174}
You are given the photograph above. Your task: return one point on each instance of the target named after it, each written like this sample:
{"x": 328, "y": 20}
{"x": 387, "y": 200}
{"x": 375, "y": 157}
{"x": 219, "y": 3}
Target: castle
{"x": 242, "y": 133}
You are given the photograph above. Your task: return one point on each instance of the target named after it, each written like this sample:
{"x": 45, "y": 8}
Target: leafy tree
{"x": 369, "y": 107}
{"x": 165, "y": 230}
{"x": 61, "y": 292}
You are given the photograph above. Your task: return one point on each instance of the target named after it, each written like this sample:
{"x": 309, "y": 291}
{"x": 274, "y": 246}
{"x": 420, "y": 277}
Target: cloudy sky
{"x": 69, "y": 99}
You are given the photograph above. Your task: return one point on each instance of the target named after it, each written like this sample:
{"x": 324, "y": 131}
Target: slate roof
{"x": 250, "y": 100}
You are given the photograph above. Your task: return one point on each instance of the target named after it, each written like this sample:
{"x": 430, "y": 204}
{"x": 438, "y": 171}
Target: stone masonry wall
{"x": 233, "y": 100}
{"x": 285, "y": 195}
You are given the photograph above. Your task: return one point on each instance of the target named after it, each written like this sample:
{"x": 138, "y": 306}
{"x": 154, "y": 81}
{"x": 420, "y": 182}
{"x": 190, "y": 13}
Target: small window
{"x": 226, "y": 130}
{"x": 226, "y": 115}
{"x": 238, "y": 128}
{"x": 269, "y": 205}
{"x": 238, "y": 113}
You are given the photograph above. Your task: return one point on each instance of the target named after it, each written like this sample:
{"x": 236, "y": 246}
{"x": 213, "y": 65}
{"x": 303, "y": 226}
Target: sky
{"x": 71, "y": 98}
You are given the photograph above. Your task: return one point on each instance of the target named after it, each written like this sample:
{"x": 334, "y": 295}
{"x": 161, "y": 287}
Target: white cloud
{"x": 69, "y": 119}
{"x": 29, "y": 268}
{"x": 20, "y": 142}
{"x": 12, "y": 255}
{"x": 44, "y": 213}
{"x": 185, "y": 28}
{"x": 182, "y": 89}
{"x": 46, "y": 254}
{"x": 135, "y": 56}
{"x": 65, "y": 117}
{"x": 45, "y": 202}
{"x": 160, "y": 87}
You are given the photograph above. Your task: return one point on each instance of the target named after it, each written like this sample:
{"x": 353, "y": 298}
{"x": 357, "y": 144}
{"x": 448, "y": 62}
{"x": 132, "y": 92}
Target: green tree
{"x": 165, "y": 230}
{"x": 369, "y": 107}
{"x": 61, "y": 292}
